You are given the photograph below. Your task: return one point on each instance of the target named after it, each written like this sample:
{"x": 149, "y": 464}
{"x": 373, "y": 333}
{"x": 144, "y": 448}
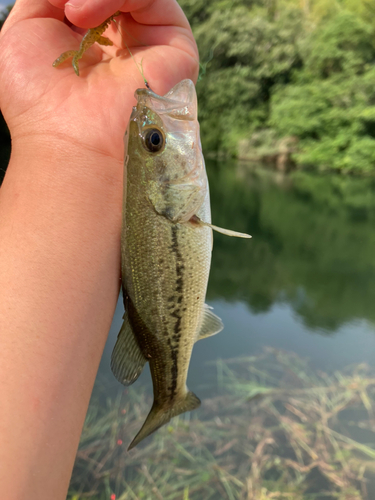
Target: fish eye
{"x": 153, "y": 140}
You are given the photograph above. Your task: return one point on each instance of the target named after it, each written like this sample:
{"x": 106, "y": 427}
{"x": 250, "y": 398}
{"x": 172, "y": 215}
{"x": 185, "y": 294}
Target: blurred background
{"x": 287, "y": 111}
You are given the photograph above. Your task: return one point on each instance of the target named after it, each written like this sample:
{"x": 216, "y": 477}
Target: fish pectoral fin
{"x": 159, "y": 416}
{"x": 211, "y": 324}
{"x": 176, "y": 202}
{"x": 127, "y": 360}
{"x": 228, "y": 232}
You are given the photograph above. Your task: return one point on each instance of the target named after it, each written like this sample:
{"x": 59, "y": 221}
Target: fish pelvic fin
{"x": 228, "y": 232}
{"x": 160, "y": 415}
{"x": 127, "y": 360}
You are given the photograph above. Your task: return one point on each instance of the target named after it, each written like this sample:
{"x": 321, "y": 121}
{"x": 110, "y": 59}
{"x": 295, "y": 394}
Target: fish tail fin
{"x": 160, "y": 415}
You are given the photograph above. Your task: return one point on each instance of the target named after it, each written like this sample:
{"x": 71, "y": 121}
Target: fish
{"x": 166, "y": 245}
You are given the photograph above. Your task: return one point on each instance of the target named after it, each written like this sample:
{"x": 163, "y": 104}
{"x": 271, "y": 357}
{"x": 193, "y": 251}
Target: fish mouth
{"x": 180, "y": 102}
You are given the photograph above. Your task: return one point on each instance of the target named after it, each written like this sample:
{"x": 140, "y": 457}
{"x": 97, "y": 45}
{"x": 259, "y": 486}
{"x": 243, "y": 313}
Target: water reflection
{"x": 313, "y": 244}
{"x": 304, "y": 283}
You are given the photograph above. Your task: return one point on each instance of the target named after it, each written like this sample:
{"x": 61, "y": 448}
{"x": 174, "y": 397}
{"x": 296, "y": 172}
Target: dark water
{"x": 304, "y": 283}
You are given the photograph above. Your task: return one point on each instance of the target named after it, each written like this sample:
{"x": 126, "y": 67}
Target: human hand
{"x": 90, "y": 111}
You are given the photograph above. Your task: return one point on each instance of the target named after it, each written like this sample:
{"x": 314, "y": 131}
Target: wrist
{"x": 62, "y": 204}
{"x": 71, "y": 169}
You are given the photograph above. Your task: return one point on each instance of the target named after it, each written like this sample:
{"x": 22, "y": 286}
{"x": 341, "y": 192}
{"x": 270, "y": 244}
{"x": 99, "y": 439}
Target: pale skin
{"x": 60, "y": 216}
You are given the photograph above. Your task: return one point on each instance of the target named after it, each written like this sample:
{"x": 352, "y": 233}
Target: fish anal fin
{"x": 228, "y": 232}
{"x": 160, "y": 415}
{"x": 211, "y": 324}
{"x": 127, "y": 360}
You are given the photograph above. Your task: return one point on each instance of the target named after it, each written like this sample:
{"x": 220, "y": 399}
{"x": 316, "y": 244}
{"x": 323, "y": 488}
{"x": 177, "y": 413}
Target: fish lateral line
{"x": 195, "y": 220}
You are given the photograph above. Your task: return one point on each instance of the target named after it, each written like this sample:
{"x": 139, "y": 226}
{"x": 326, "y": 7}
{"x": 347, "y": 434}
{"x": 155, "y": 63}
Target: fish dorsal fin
{"x": 228, "y": 232}
{"x": 127, "y": 360}
{"x": 211, "y": 324}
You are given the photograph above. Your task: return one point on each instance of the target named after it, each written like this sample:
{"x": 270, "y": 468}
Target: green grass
{"x": 278, "y": 430}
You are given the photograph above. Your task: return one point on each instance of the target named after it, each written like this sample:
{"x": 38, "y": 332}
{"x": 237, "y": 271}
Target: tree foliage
{"x": 302, "y": 69}
{"x": 246, "y": 53}
{"x": 330, "y": 104}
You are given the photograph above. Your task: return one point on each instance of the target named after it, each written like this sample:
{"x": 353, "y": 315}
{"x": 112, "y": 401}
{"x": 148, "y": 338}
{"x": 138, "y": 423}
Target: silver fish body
{"x": 166, "y": 250}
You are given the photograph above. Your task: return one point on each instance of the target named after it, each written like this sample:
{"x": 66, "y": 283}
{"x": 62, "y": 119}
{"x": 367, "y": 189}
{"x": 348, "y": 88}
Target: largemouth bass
{"x": 166, "y": 248}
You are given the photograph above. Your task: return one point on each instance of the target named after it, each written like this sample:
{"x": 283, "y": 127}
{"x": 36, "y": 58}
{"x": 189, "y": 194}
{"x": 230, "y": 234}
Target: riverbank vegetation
{"x": 275, "y": 429}
{"x": 288, "y": 80}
